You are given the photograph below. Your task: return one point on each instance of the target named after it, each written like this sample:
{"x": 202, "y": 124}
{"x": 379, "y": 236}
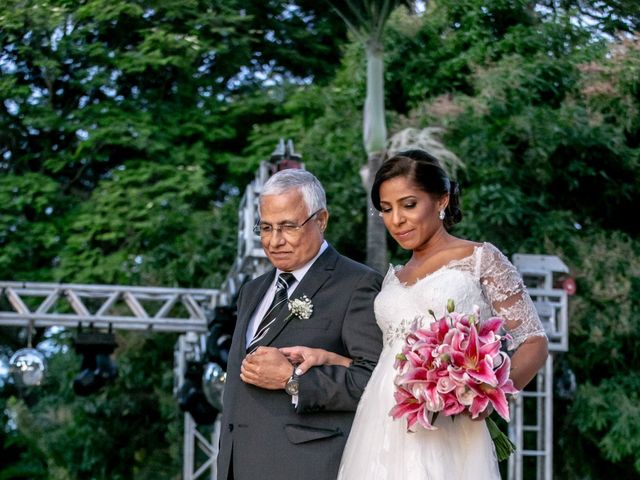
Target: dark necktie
{"x": 280, "y": 298}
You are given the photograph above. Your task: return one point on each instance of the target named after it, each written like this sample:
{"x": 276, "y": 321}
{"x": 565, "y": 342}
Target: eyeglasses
{"x": 266, "y": 229}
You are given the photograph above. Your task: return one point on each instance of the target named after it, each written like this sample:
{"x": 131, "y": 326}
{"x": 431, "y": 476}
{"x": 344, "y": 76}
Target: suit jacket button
{"x": 231, "y": 427}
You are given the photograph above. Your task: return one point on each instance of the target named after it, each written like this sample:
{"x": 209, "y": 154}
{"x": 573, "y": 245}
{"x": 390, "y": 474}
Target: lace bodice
{"x": 485, "y": 278}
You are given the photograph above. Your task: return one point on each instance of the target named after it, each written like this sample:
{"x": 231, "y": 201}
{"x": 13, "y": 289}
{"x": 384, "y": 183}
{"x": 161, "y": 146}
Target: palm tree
{"x": 366, "y": 20}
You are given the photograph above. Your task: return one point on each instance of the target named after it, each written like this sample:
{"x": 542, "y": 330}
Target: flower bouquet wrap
{"x": 454, "y": 365}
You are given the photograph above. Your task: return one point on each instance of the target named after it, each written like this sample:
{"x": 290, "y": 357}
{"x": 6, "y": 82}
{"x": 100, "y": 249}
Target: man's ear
{"x": 323, "y": 219}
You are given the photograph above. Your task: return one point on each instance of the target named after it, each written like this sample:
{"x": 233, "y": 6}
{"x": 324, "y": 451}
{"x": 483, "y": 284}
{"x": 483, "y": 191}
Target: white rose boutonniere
{"x": 301, "y": 308}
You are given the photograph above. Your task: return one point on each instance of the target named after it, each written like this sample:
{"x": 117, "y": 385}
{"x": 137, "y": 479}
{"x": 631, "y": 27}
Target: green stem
{"x": 504, "y": 446}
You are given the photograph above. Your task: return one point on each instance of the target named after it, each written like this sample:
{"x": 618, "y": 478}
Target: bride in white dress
{"x": 418, "y": 204}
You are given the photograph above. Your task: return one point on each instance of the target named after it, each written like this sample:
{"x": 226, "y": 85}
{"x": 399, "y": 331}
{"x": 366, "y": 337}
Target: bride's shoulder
{"x": 492, "y": 259}
{"x": 460, "y": 249}
{"x": 489, "y": 250}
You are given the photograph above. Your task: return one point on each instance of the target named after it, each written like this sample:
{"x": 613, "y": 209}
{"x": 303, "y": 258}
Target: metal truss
{"x": 127, "y": 308}
{"x": 199, "y": 444}
{"x": 105, "y": 306}
{"x": 531, "y": 426}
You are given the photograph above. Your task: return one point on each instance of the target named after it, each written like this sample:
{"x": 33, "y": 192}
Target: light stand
{"x": 97, "y": 367}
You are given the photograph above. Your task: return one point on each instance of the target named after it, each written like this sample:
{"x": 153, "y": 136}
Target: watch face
{"x": 292, "y": 386}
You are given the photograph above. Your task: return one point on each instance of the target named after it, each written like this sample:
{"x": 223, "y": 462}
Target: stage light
{"x": 191, "y": 397}
{"x": 565, "y": 381}
{"x": 221, "y": 324}
{"x": 201, "y": 392}
{"x": 97, "y": 367}
{"x": 27, "y": 367}
{"x": 213, "y": 380}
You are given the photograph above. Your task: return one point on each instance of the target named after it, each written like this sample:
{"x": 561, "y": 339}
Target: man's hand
{"x": 266, "y": 368}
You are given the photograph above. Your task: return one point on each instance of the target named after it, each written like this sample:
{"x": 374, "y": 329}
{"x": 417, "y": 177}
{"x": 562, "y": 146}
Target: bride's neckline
{"x": 446, "y": 266}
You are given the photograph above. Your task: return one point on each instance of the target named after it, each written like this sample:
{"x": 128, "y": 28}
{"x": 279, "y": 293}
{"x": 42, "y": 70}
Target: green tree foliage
{"x": 610, "y": 16}
{"x": 20, "y": 459}
{"x": 89, "y": 89}
{"x": 29, "y": 229}
{"x": 603, "y": 419}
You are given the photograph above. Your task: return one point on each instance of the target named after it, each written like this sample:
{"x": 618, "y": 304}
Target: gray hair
{"x": 305, "y": 182}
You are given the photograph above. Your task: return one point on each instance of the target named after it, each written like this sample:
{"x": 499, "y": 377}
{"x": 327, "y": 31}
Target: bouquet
{"x": 454, "y": 365}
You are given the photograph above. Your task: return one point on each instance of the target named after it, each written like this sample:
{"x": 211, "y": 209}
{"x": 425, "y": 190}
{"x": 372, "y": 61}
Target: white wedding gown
{"x": 379, "y": 447}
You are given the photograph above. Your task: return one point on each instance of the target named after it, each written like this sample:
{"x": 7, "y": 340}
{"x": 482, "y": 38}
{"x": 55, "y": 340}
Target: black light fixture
{"x": 218, "y": 343}
{"x": 97, "y": 366}
{"x": 221, "y": 322}
{"x": 191, "y": 397}
{"x": 204, "y": 377}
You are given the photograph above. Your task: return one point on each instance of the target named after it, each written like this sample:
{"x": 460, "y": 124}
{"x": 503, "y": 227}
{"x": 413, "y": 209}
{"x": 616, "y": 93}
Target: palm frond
{"x": 366, "y": 19}
{"x": 428, "y": 139}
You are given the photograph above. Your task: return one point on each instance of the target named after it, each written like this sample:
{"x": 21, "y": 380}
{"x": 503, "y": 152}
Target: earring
{"x": 441, "y": 215}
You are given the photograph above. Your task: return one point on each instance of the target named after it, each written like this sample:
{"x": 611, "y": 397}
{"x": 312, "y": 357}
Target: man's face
{"x": 290, "y": 249}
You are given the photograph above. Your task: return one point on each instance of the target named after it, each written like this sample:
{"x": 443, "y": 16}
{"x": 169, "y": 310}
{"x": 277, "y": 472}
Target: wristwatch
{"x": 293, "y": 385}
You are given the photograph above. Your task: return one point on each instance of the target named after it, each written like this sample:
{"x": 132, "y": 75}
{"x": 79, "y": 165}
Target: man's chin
{"x": 281, "y": 261}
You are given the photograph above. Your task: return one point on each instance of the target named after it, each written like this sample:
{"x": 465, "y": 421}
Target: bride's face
{"x": 409, "y": 213}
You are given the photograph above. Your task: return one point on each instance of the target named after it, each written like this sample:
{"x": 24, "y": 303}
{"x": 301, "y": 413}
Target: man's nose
{"x": 277, "y": 237}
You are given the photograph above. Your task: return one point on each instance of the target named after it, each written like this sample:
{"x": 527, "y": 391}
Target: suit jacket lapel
{"x": 253, "y": 300}
{"x": 317, "y": 275}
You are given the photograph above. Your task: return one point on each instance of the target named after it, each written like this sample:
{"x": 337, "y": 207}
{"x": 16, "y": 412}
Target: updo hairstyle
{"x": 425, "y": 172}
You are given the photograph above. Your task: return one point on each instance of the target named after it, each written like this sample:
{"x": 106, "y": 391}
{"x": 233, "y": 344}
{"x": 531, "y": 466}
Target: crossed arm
{"x": 270, "y": 367}
{"x": 304, "y": 358}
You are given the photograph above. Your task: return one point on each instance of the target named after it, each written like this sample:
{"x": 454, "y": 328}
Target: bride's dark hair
{"x": 425, "y": 172}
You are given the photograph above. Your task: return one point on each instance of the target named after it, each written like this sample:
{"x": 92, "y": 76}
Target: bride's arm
{"x": 509, "y": 299}
{"x": 305, "y": 358}
{"x": 528, "y": 358}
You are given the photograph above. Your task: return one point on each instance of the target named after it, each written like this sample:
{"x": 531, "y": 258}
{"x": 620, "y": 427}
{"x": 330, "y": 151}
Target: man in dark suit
{"x": 275, "y": 424}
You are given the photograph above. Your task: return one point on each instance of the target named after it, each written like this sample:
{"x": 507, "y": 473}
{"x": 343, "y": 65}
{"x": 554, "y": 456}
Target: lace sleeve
{"x": 508, "y": 297}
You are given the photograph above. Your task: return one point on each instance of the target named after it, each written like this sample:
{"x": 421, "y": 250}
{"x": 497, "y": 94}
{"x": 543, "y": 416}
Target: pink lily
{"x": 407, "y": 405}
{"x": 489, "y": 329}
{"x": 449, "y": 366}
{"x": 473, "y": 358}
{"x": 495, "y": 393}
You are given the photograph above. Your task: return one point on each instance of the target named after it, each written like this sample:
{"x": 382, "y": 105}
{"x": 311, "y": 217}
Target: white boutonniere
{"x": 301, "y": 308}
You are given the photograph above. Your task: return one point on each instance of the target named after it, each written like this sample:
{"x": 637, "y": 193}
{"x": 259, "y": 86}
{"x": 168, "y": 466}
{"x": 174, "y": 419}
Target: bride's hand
{"x": 482, "y": 415}
{"x": 306, "y": 357}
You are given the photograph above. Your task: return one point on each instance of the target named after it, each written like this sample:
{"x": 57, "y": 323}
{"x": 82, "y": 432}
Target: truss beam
{"x": 106, "y": 306}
